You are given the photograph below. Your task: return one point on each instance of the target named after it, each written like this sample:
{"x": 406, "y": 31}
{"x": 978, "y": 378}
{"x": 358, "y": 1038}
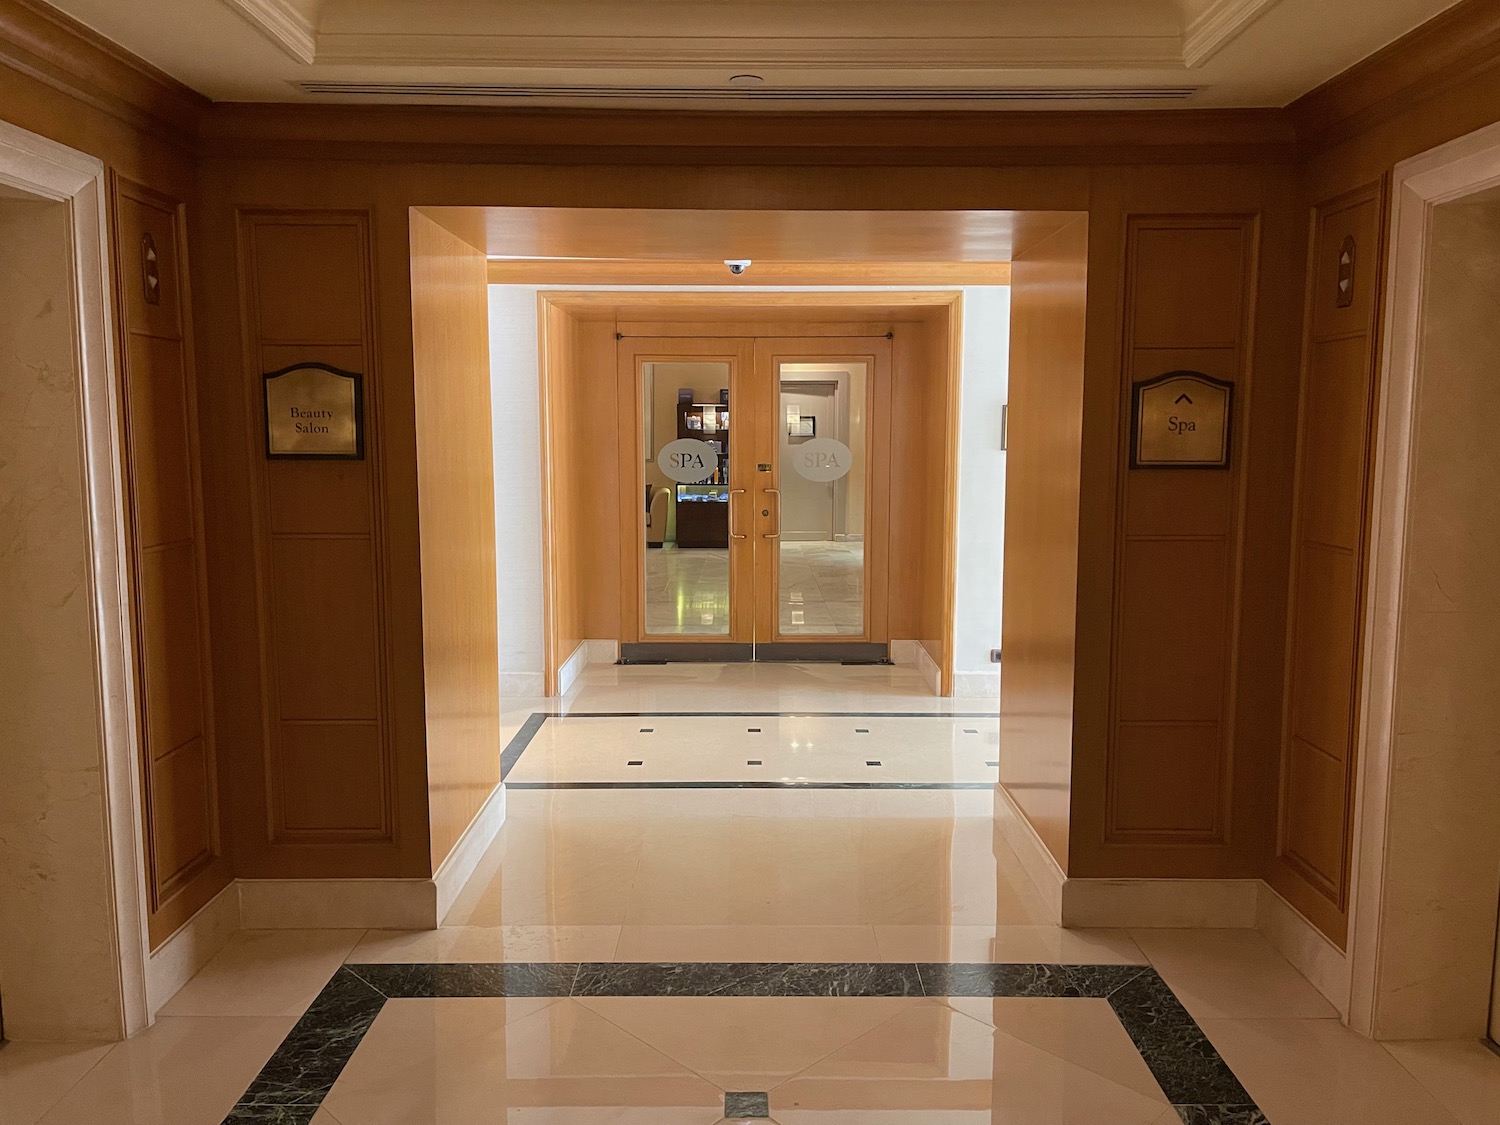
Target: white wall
{"x": 981, "y": 490}
{"x": 518, "y": 512}
{"x": 515, "y": 403}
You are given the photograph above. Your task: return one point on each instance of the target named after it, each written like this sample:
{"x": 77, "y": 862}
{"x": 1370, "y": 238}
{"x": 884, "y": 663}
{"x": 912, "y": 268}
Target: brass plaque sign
{"x": 1181, "y": 420}
{"x": 314, "y": 411}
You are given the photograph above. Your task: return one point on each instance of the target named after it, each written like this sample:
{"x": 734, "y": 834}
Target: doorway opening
{"x": 763, "y": 465}
{"x": 1427, "y": 874}
{"x": 73, "y": 943}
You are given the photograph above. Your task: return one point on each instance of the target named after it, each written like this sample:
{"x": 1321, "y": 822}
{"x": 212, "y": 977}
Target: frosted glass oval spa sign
{"x": 688, "y": 460}
{"x": 314, "y": 411}
{"x": 821, "y": 459}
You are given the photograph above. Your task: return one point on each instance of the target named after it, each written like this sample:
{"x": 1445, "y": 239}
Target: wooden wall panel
{"x": 1049, "y": 292}
{"x": 1325, "y": 618}
{"x": 1189, "y": 294}
{"x": 455, "y": 472}
{"x": 327, "y": 768}
{"x": 186, "y": 861}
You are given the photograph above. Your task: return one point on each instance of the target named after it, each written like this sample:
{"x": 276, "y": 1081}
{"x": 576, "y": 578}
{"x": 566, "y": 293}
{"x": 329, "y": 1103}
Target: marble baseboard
{"x": 173, "y": 963}
{"x": 572, "y": 668}
{"x": 977, "y": 685}
{"x": 527, "y": 685}
{"x": 913, "y": 654}
{"x": 338, "y": 904}
{"x": 1160, "y": 903}
{"x": 455, "y": 871}
{"x": 1192, "y": 1075}
{"x": 603, "y": 652}
{"x": 1037, "y": 861}
{"x": 1305, "y": 946}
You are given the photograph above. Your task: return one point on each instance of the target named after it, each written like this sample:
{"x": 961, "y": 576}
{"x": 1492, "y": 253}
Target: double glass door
{"x": 756, "y": 483}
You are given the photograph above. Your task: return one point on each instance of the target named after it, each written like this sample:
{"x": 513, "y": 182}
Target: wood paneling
{"x": 455, "y": 473}
{"x": 1049, "y": 290}
{"x": 1325, "y": 619}
{"x": 326, "y": 751}
{"x": 1189, "y": 293}
{"x": 186, "y": 861}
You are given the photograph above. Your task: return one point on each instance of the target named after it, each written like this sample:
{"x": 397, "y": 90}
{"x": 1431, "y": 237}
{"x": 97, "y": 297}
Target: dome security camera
{"x": 737, "y": 266}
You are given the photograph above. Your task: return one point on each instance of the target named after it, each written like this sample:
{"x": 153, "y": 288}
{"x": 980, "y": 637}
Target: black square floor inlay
{"x": 970, "y": 730}
{"x": 755, "y": 762}
{"x": 635, "y": 763}
{"x": 993, "y": 765}
{"x": 747, "y": 1105}
{"x": 752, "y": 730}
{"x": 861, "y": 730}
{"x": 647, "y": 730}
{"x": 872, "y": 763}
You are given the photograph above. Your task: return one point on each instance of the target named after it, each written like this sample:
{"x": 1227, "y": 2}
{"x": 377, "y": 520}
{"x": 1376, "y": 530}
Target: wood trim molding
{"x": 1457, "y": 45}
{"x": 43, "y": 43}
{"x": 466, "y": 134}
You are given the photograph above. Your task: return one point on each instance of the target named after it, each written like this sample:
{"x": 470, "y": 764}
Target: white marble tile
{"x": 1231, "y": 973}
{"x": 1318, "y": 1072}
{"x": 1463, "y": 1074}
{"x": 264, "y": 973}
{"x": 180, "y": 1071}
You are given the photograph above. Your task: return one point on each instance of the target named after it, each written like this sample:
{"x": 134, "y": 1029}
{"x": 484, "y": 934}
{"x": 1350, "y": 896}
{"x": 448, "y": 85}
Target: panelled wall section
{"x": 329, "y": 794}
{"x": 1189, "y": 286}
{"x": 1325, "y": 618}
{"x": 186, "y": 862}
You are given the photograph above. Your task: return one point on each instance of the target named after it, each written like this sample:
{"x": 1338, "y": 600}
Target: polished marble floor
{"x": 756, "y": 750}
{"x": 820, "y": 590}
{"x": 857, "y": 956}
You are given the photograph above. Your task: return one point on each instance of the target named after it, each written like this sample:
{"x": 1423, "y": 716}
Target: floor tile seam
{"x": 110, "y": 1049}
{"x": 1417, "y": 1078}
{"x": 583, "y": 1001}
{"x": 862, "y": 1035}
{"x": 1165, "y": 1101}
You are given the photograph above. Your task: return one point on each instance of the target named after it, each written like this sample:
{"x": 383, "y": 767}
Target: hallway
{"x": 656, "y": 955}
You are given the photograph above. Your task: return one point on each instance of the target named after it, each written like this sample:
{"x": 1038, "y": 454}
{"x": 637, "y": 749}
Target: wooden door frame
{"x": 741, "y": 314}
{"x": 630, "y": 353}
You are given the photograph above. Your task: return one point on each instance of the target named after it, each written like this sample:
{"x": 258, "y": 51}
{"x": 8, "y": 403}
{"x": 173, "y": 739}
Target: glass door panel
{"x": 821, "y": 439}
{"x": 686, "y": 425}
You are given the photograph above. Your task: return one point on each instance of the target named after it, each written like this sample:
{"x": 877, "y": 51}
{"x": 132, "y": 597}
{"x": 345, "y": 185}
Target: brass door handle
{"x": 733, "y": 492}
{"x": 776, "y": 492}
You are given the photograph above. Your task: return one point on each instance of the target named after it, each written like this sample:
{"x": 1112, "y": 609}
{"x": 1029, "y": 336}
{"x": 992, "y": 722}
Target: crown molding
{"x": 1219, "y": 25}
{"x": 669, "y": 52}
{"x": 1452, "y": 47}
{"x": 39, "y": 41}
{"x": 283, "y": 23}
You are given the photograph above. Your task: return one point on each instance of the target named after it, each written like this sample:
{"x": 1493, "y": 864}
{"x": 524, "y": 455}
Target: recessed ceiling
{"x": 821, "y": 54}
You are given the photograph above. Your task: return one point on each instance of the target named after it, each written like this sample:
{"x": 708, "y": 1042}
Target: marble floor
{"x": 805, "y": 956}
{"x": 647, "y": 750}
{"x": 820, "y": 590}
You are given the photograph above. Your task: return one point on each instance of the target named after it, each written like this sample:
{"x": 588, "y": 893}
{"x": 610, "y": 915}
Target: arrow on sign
{"x": 1183, "y": 398}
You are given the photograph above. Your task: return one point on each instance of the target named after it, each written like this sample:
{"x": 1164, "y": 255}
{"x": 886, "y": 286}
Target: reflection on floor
{"x": 687, "y": 591}
{"x": 857, "y": 956}
{"x": 821, "y": 590}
